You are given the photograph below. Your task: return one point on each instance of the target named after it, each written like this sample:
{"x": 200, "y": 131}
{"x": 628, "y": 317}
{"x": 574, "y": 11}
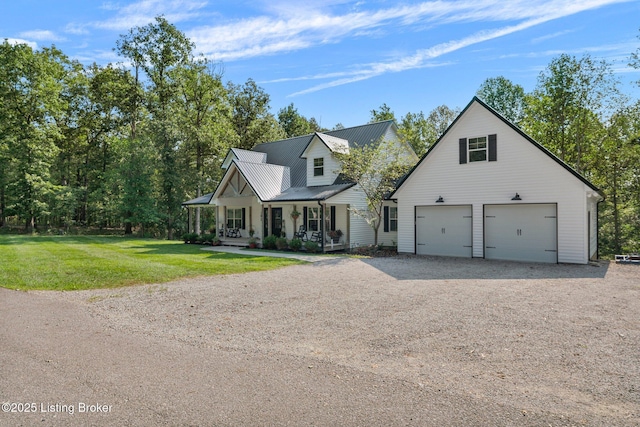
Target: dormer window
{"x": 318, "y": 166}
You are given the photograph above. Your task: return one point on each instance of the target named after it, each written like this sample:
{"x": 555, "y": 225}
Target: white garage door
{"x": 521, "y": 232}
{"x": 443, "y": 230}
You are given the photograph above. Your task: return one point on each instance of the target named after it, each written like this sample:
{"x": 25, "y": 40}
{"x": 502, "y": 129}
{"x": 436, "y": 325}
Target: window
{"x": 313, "y": 219}
{"x": 393, "y": 218}
{"x": 234, "y": 218}
{"x": 478, "y": 149}
{"x": 318, "y": 166}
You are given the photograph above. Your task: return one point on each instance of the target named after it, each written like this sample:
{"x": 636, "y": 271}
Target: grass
{"x": 91, "y": 262}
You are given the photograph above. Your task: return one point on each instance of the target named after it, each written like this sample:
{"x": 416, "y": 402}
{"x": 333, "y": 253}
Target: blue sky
{"x": 337, "y": 60}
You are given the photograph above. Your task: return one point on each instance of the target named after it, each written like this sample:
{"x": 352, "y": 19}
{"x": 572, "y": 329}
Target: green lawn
{"x": 88, "y": 262}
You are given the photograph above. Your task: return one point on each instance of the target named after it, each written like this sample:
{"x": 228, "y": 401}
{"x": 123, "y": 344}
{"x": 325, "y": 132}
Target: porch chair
{"x": 301, "y": 233}
{"x": 316, "y": 236}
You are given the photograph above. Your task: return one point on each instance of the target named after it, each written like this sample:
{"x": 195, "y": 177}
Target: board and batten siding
{"x": 317, "y": 149}
{"x": 521, "y": 168}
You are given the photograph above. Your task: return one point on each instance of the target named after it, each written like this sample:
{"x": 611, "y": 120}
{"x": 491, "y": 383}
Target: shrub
{"x": 295, "y": 244}
{"x": 311, "y": 246}
{"x": 281, "y": 243}
{"x": 189, "y": 237}
{"x": 269, "y": 242}
{"x": 208, "y": 239}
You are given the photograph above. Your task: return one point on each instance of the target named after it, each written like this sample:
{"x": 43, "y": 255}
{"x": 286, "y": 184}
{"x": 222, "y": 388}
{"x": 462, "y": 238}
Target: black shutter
{"x": 333, "y": 218}
{"x": 463, "y": 150}
{"x": 243, "y": 221}
{"x": 304, "y": 217}
{"x": 493, "y": 147}
{"x": 386, "y": 219}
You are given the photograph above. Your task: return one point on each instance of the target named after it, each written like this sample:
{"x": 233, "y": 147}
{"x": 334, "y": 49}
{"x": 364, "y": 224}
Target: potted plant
{"x": 251, "y": 232}
{"x": 295, "y": 214}
{"x": 335, "y": 235}
{"x": 253, "y": 242}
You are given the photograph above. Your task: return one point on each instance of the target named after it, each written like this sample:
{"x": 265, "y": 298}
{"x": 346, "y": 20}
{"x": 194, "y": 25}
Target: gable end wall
{"x": 520, "y": 168}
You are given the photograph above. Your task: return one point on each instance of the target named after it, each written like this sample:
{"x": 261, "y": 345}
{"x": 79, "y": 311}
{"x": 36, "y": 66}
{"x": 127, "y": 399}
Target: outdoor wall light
{"x": 440, "y": 200}
{"x": 516, "y": 197}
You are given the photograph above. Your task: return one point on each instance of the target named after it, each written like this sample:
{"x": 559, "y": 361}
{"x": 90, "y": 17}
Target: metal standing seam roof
{"x": 249, "y": 156}
{"x": 199, "y": 201}
{"x": 299, "y": 194}
{"x": 266, "y": 180}
{"x": 282, "y": 176}
{"x": 287, "y": 152}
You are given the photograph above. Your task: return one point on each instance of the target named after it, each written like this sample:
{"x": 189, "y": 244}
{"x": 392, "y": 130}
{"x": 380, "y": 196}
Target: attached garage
{"x": 526, "y": 232}
{"x": 444, "y": 230}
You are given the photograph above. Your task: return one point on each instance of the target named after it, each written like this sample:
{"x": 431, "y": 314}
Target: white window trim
{"x": 319, "y": 168}
{"x": 313, "y": 216}
{"x": 478, "y": 150}
{"x": 393, "y": 218}
{"x": 234, "y": 217}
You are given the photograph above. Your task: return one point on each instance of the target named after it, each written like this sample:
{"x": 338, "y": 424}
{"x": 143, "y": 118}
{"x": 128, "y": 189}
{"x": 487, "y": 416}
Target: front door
{"x": 276, "y": 221}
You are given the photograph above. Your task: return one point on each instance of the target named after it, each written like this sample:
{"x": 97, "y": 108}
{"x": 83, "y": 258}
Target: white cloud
{"x": 41, "y": 35}
{"x": 295, "y": 26}
{"x": 515, "y": 10}
{"x": 143, "y": 12}
{"x": 13, "y": 41}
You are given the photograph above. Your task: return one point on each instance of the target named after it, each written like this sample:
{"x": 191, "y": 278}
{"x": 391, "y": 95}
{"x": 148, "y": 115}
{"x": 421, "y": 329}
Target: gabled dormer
{"x": 322, "y": 164}
{"x": 243, "y": 156}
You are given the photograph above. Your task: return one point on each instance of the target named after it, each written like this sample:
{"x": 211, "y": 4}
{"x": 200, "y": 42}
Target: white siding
{"x": 520, "y": 168}
{"x": 592, "y": 215}
{"x": 361, "y": 234}
{"x": 317, "y": 149}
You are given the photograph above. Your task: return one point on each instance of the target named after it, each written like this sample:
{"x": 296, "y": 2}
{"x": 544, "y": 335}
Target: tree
{"x": 565, "y": 111}
{"x": 618, "y": 173}
{"x": 376, "y": 169}
{"x": 158, "y": 48}
{"x": 204, "y": 113}
{"x": 135, "y": 171}
{"x": 384, "y": 113}
{"x": 505, "y": 97}
{"x": 416, "y": 130}
{"x": 31, "y": 87}
{"x": 251, "y": 117}
{"x": 294, "y": 124}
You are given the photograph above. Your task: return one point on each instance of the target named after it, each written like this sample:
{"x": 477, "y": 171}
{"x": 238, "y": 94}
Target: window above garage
{"x": 479, "y": 149}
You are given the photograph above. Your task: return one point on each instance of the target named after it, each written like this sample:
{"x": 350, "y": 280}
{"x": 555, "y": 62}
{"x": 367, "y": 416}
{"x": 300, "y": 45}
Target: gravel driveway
{"x": 406, "y": 341}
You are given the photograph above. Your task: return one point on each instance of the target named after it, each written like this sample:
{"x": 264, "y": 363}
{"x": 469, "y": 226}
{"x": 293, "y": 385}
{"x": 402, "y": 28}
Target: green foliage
{"x": 295, "y": 244}
{"x": 384, "y": 113}
{"x": 269, "y": 242}
{"x": 190, "y": 237}
{"x": 376, "y": 168}
{"x": 295, "y": 124}
{"x": 281, "y": 243}
{"x": 505, "y": 97}
{"x": 311, "y": 247}
{"x": 251, "y": 118}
